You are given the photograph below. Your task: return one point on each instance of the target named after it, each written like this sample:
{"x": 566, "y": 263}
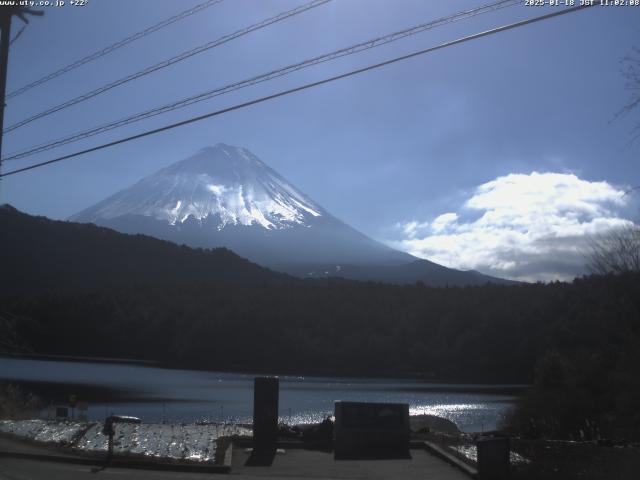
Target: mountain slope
{"x": 43, "y": 254}
{"x": 226, "y": 196}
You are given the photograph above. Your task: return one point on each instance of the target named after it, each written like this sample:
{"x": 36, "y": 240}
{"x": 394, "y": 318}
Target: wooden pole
{"x": 5, "y": 38}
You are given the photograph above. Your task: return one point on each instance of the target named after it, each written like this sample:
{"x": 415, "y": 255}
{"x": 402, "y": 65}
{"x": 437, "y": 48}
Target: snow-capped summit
{"x": 223, "y": 181}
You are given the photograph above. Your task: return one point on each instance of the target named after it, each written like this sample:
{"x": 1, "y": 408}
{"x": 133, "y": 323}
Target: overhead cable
{"x": 351, "y": 73}
{"x": 121, "y": 43}
{"x": 353, "y": 49}
{"x": 166, "y": 63}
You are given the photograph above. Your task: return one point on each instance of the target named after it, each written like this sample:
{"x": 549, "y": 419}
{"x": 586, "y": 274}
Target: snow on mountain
{"x": 226, "y": 181}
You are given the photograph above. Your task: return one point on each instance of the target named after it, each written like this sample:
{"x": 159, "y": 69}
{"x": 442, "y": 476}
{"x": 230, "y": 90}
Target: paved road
{"x": 312, "y": 467}
{"x": 295, "y": 463}
{"x": 19, "y": 469}
{"x": 313, "y": 464}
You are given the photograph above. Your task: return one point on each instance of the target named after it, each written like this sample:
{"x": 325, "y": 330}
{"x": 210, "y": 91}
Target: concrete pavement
{"x": 20, "y": 469}
{"x": 314, "y": 464}
{"x": 294, "y": 463}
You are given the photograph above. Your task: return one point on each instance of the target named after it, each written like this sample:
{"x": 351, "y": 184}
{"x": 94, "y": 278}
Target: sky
{"x": 504, "y": 154}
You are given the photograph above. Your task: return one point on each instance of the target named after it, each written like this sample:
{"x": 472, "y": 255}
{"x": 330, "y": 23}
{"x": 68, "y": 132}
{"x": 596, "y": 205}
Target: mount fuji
{"x": 225, "y": 196}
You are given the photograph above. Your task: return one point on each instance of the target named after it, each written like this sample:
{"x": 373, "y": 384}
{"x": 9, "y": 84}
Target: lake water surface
{"x": 158, "y": 394}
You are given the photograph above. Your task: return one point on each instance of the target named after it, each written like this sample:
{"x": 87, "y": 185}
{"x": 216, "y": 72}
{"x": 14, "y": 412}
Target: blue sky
{"x": 390, "y": 151}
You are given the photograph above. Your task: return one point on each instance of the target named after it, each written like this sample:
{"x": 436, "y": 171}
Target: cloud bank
{"x": 521, "y": 226}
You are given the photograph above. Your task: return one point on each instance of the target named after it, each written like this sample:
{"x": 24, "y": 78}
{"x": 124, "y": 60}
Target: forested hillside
{"x": 39, "y": 254}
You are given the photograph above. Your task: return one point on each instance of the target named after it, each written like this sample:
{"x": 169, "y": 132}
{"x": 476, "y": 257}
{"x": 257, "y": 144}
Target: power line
{"x": 169, "y": 62}
{"x": 351, "y": 73}
{"x": 115, "y": 46}
{"x": 353, "y": 49}
{"x": 17, "y": 35}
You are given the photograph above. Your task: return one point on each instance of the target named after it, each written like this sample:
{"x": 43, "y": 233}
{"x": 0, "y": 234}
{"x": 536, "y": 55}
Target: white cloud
{"x": 528, "y": 227}
{"x": 443, "y": 221}
{"x": 411, "y": 229}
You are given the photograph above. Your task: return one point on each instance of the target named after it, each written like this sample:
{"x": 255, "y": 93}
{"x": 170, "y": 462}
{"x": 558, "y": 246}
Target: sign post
{"x": 73, "y": 401}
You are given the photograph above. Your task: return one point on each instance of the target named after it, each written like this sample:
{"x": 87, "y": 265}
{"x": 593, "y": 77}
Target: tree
{"x": 631, "y": 75}
{"x": 617, "y": 251}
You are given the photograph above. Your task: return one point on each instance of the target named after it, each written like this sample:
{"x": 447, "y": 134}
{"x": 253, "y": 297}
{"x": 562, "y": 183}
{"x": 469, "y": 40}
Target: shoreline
{"x": 430, "y": 384}
{"x": 530, "y": 459}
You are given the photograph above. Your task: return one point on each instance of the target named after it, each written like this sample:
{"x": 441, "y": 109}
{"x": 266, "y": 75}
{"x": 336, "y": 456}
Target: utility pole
{"x": 5, "y": 38}
{"x": 6, "y": 14}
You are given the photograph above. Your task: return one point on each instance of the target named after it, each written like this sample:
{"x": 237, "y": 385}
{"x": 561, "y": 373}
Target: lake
{"x": 185, "y": 396}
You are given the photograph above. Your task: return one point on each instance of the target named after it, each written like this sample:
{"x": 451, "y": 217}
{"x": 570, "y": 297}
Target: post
{"x": 110, "y": 448}
{"x": 109, "y": 429}
{"x": 6, "y": 14}
{"x": 83, "y": 406}
{"x": 5, "y": 38}
{"x": 73, "y": 401}
{"x": 265, "y": 415}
